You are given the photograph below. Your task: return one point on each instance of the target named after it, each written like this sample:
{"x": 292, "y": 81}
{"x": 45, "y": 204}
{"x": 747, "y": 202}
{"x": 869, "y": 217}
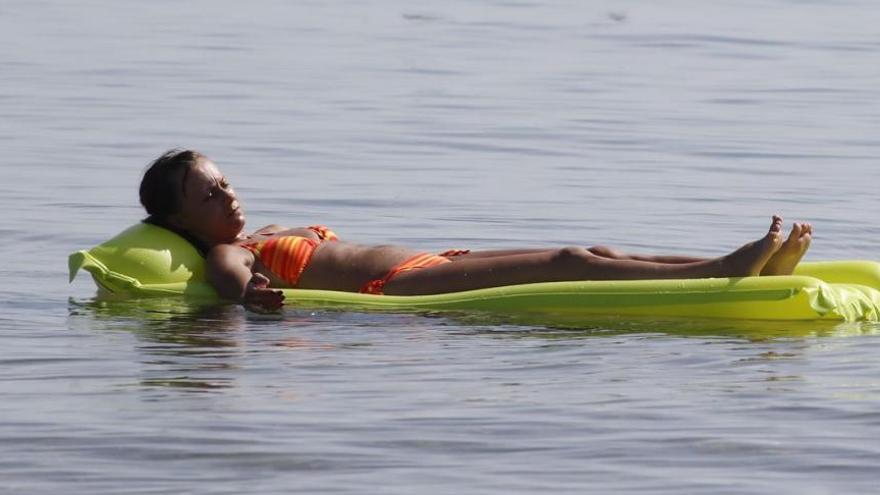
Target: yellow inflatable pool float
{"x": 149, "y": 261}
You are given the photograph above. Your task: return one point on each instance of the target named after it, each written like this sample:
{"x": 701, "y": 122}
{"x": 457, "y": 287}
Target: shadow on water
{"x": 554, "y": 326}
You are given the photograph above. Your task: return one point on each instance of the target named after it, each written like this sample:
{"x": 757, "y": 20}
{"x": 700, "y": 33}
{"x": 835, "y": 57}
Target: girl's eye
{"x": 224, "y": 184}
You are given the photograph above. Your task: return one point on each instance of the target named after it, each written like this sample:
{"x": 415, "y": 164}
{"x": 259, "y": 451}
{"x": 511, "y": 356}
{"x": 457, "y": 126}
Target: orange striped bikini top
{"x": 288, "y": 256}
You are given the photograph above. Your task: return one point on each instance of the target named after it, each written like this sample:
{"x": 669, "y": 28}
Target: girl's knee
{"x": 574, "y": 256}
{"x": 606, "y": 252}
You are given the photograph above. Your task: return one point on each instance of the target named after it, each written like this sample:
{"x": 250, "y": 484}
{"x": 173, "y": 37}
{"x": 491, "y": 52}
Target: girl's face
{"x": 209, "y": 209}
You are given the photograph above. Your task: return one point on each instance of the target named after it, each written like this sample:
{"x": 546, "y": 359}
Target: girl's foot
{"x": 750, "y": 259}
{"x": 792, "y": 250}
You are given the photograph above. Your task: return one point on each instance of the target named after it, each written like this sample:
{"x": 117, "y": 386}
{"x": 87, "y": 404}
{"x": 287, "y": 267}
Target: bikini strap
{"x": 451, "y": 253}
{"x": 323, "y": 232}
{"x": 422, "y": 260}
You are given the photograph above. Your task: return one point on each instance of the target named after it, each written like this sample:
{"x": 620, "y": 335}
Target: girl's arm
{"x": 229, "y": 271}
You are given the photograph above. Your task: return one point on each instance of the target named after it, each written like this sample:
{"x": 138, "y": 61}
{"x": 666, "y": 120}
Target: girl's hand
{"x": 258, "y": 297}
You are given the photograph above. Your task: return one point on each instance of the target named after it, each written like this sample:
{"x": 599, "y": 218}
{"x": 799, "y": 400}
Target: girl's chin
{"x": 238, "y": 221}
{"x": 235, "y": 231}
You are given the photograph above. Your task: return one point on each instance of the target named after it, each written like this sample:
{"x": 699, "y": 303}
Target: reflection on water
{"x": 565, "y": 326}
{"x": 198, "y": 327}
{"x": 175, "y": 324}
{"x": 181, "y": 344}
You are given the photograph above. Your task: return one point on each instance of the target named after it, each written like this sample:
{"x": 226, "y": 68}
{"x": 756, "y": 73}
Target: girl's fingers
{"x": 265, "y": 299}
{"x": 270, "y": 297}
{"x": 259, "y": 280}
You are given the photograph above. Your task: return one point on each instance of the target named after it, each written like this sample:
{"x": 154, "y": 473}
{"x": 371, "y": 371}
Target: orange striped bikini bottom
{"x": 423, "y": 260}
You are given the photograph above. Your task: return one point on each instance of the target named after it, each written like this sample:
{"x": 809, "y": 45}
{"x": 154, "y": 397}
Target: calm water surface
{"x": 670, "y": 128}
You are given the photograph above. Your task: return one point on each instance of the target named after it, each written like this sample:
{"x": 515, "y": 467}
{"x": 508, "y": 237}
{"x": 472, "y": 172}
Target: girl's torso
{"x": 333, "y": 265}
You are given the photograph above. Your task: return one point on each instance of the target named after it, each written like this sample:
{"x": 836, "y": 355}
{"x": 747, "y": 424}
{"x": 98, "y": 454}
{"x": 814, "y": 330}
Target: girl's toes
{"x": 796, "y": 231}
{"x": 776, "y": 225}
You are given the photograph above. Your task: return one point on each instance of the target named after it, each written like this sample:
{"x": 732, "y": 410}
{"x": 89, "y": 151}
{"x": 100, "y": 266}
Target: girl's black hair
{"x": 162, "y": 188}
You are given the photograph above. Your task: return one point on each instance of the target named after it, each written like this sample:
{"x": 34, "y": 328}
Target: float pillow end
{"x": 142, "y": 255}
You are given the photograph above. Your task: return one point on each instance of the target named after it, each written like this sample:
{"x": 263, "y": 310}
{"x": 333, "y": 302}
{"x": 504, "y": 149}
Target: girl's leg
{"x": 615, "y": 254}
{"x": 577, "y": 264}
{"x": 783, "y": 261}
{"x": 601, "y": 251}
{"x": 607, "y": 252}
{"x": 494, "y": 253}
